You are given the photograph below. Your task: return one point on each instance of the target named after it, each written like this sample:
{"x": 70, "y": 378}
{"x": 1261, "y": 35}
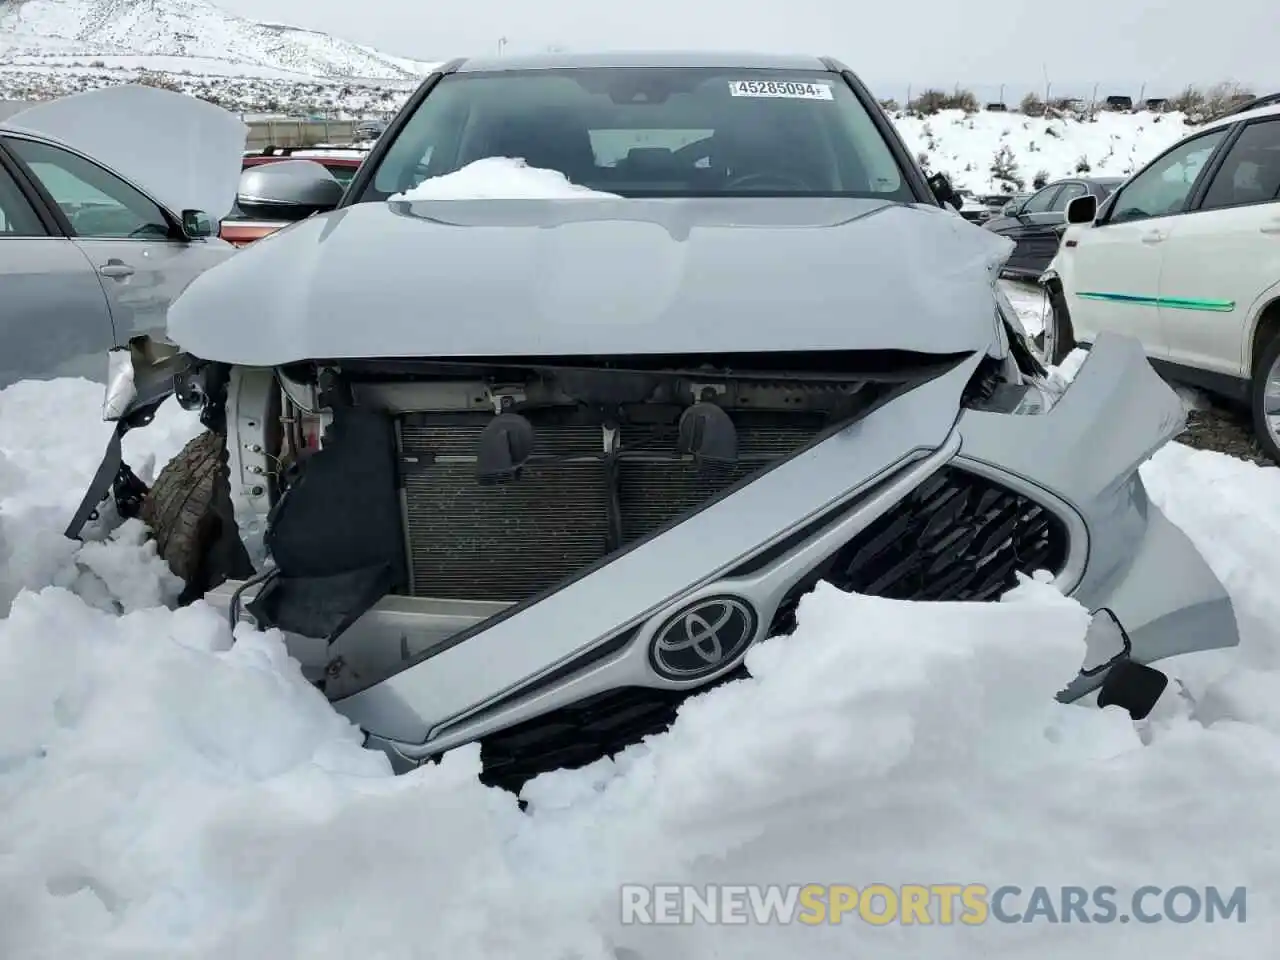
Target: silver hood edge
{"x": 499, "y": 278}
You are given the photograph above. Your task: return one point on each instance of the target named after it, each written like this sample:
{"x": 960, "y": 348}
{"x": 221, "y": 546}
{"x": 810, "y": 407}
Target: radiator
{"x": 509, "y": 541}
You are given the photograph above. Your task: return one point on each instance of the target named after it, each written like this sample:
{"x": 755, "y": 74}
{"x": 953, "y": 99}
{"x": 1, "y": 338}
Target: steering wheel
{"x": 777, "y": 179}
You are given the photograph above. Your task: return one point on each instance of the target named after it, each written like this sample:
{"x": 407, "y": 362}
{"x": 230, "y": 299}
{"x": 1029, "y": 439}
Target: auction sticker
{"x": 786, "y": 89}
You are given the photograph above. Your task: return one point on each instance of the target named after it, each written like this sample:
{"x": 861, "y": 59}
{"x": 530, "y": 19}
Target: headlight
{"x": 1026, "y": 399}
{"x": 1002, "y": 387}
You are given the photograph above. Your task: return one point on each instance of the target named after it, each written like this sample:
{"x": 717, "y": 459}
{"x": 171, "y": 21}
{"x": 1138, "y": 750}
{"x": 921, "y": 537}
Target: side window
{"x": 1069, "y": 193}
{"x": 1251, "y": 171}
{"x": 1163, "y": 188}
{"x": 17, "y": 219}
{"x": 1042, "y": 202}
{"x": 98, "y": 204}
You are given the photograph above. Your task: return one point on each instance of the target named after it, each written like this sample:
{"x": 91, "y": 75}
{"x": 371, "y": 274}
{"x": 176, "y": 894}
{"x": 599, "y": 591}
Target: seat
{"x": 543, "y": 140}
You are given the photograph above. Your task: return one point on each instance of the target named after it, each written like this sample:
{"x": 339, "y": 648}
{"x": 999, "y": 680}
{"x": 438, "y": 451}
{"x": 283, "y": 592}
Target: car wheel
{"x": 1265, "y": 399}
{"x": 1059, "y": 337}
{"x": 189, "y": 512}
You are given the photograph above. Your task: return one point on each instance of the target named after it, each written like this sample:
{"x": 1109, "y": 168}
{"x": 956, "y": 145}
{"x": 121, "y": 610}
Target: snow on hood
{"x": 476, "y": 278}
{"x": 499, "y": 178}
{"x": 186, "y": 153}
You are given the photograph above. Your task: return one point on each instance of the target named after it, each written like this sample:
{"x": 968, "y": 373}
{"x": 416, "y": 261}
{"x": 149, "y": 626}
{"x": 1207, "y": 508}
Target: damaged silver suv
{"x": 531, "y": 472}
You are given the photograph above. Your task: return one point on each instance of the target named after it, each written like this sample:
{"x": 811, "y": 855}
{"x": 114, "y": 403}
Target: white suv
{"x": 1185, "y": 257}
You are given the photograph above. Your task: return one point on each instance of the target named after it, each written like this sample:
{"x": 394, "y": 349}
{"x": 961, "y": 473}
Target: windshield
{"x": 653, "y": 132}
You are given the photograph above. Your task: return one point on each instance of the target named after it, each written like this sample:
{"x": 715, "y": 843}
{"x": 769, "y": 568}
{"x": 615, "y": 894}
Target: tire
{"x": 1267, "y": 368}
{"x": 189, "y": 512}
{"x": 1059, "y": 337}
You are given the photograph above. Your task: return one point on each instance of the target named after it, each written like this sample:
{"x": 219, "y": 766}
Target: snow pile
{"x": 165, "y": 793}
{"x": 46, "y": 462}
{"x": 500, "y": 178}
{"x": 1005, "y": 152}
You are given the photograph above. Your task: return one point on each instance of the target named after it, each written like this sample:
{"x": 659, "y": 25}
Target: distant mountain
{"x": 118, "y": 32}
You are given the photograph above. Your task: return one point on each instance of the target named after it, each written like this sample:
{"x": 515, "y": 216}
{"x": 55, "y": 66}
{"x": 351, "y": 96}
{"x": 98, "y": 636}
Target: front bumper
{"x": 461, "y": 671}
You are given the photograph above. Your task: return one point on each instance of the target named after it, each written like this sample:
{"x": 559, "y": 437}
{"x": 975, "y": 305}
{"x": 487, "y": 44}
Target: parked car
{"x": 1185, "y": 257}
{"x": 532, "y": 472}
{"x": 1036, "y": 223}
{"x": 243, "y": 226}
{"x": 369, "y": 130}
{"x": 974, "y": 209}
{"x": 102, "y": 223}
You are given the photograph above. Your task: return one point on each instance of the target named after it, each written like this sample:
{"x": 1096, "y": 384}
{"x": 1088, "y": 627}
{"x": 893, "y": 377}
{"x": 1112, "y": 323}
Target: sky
{"x": 979, "y": 44}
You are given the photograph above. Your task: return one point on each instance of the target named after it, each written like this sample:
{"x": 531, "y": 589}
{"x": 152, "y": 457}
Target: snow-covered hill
{"x": 1006, "y": 152}
{"x": 119, "y": 32}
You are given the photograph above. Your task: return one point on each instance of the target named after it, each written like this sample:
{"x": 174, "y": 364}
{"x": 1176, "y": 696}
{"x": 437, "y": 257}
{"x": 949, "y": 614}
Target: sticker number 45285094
{"x": 790, "y": 89}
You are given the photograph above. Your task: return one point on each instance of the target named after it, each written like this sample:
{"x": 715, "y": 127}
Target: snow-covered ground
{"x": 167, "y": 794}
{"x": 967, "y": 147}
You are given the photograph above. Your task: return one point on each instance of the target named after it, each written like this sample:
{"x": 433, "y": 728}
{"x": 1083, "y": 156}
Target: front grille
{"x": 569, "y": 508}
{"x": 575, "y": 736}
{"x": 958, "y": 536}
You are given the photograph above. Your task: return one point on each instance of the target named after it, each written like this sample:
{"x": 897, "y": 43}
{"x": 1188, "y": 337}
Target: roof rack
{"x": 1257, "y": 103}
{"x": 273, "y": 151}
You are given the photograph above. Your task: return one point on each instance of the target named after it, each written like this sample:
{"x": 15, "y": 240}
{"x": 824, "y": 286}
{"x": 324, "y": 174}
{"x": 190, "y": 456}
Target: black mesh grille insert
{"x": 958, "y": 536}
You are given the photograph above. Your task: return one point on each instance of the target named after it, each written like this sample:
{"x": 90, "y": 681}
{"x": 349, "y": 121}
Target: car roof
{"x": 321, "y": 158}
{"x": 670, "y": 58}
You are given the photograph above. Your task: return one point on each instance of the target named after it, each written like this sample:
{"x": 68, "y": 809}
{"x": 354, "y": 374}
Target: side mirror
{"x": 1082, "y": 209}
{"x": 196, "y": 224}
{"x": 287, "y": 190}
{"x": 942, "y": 189}
{"x": 1013, "y": 208}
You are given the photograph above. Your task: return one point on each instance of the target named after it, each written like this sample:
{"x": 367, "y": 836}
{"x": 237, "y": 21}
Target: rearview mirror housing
{"x": 287, "y": 190}
{"x": 942, "y": 189}
{"x": 1082, "y": 209}
{"x": 197, "y": 224}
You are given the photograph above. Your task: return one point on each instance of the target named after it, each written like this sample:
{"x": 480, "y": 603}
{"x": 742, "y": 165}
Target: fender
{"x": 140, "y": 376}
{"x": 1269, "y": 298}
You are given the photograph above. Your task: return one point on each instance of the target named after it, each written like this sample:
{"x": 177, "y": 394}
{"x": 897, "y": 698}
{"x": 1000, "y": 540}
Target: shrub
{"x": 1201, "y": 105}
{"x": 161, "y": 81}
{"x": 1004, "y": 169}
{"x": 927, "y": 104}
{"x": 1031, "y": 106}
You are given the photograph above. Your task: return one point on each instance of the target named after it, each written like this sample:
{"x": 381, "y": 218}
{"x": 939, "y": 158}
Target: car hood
{"x": 186, "y": 153}
{"x": 539, "y": 278}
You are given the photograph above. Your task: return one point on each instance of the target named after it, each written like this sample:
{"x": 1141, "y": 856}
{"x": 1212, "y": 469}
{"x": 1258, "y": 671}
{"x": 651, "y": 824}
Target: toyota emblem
{"x": 703, "y": 638}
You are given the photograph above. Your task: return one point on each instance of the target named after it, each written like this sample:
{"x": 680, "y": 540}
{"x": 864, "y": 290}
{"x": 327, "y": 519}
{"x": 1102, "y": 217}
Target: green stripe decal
{"x": 1173, "y": 303}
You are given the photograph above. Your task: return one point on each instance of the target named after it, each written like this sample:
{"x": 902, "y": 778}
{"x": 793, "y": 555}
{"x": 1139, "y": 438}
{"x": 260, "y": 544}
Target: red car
{"x": 343, "y": 162}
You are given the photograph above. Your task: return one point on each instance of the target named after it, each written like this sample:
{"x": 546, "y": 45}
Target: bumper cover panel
{"x": 1085, "y": 454}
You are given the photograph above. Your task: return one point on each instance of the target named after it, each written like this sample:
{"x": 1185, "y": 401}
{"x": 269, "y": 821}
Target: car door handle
{"x": 1271, "y": 228}
{"x": 1155, "y": 236}
{"x": 116, "y": 269}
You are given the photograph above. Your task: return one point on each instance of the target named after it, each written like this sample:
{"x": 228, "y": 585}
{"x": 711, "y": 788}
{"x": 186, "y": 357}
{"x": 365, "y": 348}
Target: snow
{"x": 187, "y": 28}
{"x": 500, "y": 178}
{"x": 167, "y": 793}
{"x": 965, "y": 147}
